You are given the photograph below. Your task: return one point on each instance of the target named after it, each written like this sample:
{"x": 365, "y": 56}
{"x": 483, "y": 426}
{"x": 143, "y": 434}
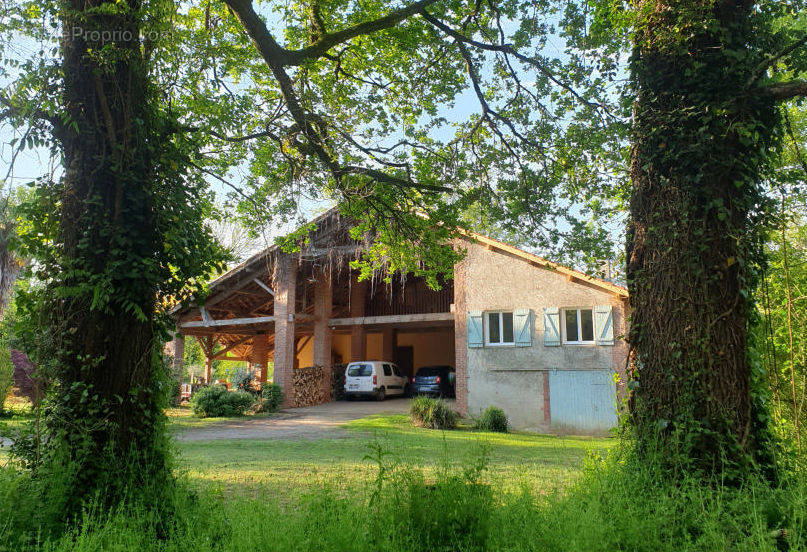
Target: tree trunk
{"x": 698, "y": 147}
{"x": 105, "y": 410}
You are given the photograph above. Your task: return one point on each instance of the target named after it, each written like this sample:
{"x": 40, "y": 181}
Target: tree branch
{"x": 782, "y": 91}
{"x": 278, "y": 58}
{"x": 508, "y": 49}
{"x": 759, "y": 71}
{"x": 328, "y": 41}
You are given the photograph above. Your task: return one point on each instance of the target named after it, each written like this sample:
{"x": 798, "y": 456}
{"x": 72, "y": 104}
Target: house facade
{"x": 539, "y": 340}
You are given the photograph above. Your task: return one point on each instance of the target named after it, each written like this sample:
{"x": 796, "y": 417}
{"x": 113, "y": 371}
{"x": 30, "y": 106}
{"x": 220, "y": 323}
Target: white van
{"x": 374, "y": 378}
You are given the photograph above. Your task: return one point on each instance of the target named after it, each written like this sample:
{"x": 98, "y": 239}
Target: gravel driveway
{"x": 312, "y": 422}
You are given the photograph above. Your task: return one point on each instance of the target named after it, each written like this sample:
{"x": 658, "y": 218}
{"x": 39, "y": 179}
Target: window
{"x": 396, "y": 371}
{"x": 578, "y": 326}
{"x": 387, "y": 370}
{"x": 499, "y": 328}
{"x": 360, "y": 370}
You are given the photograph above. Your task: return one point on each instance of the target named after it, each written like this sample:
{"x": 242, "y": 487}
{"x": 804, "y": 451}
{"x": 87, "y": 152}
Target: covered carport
{"x": 310, "y": 309}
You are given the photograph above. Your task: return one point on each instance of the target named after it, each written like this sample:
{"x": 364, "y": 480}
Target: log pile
{"x": 338, "y": 382}
{"x": 308, "y": 387}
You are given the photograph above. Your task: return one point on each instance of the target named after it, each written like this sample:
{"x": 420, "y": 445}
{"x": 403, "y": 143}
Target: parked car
{"x": 374, "y": 378}
{"x": 433, "y": 380}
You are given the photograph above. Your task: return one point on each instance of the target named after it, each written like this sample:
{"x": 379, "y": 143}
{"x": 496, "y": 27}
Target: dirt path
{"x": 313, "y": 422}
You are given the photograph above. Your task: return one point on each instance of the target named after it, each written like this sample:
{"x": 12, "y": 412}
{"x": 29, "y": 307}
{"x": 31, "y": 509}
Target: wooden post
{"x": 260, "y": 354}
{"x": 358, "y": 336}
{"x": 285, "y": 286}
{"x": 208, "y": 369}
{"x": 323, "y": 335}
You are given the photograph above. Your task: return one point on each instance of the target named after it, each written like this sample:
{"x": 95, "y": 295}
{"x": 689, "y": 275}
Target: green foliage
{"x": 492, "y": 418}
{"x": 245, "y": 381}
{"x": 216, "y": 401}
{"x": 458, "y": 511}
{"x": 432, "y": 413}
{"x": 6, "y": 373}
{"x": 272, "y": 397}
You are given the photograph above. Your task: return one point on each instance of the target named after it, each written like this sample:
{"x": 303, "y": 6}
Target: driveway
{"x": 312, "y": 422}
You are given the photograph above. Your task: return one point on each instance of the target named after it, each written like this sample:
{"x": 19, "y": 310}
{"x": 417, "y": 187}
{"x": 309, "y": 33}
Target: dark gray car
{"x": 433, "y": 380}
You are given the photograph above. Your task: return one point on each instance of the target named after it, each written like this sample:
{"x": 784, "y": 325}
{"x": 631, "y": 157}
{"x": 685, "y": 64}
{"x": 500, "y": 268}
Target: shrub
{"x": 6, "y": 375}
{"x": 245, "y": 381}
{"x": 272, "y": 396}
{"x": 492, "y": 419}
{"x": 216, "y": 401}
{"x": 432, "y": 413}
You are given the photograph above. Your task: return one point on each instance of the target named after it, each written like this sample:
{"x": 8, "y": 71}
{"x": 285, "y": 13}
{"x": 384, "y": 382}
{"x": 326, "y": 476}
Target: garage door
{"x": 582, "y": 400}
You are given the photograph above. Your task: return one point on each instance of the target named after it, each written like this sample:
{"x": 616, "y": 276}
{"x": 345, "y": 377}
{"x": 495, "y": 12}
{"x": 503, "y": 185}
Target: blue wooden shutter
{"x": 475, "y": 336}
{"x": 604, "y": 324}
{"x": 552, "y": 327}
{"x": 522, "y": 329}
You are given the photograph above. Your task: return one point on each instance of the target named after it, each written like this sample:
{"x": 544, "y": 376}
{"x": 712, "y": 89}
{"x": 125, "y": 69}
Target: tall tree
{"x": 705, "y": 123}
{"x": 119, "y": 230}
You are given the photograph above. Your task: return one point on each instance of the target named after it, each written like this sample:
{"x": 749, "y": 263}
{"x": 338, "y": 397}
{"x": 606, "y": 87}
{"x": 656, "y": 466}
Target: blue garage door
{"x": 582, "y": 400}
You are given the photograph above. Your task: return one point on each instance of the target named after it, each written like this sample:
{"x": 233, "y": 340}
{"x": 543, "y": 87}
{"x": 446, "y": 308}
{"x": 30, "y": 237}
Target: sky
{"x": 29, "y": 164}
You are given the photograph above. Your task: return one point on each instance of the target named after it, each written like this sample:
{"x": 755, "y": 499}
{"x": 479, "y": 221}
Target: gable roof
{"x": 534, "y": 260}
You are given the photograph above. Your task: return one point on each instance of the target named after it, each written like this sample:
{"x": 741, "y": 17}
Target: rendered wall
{"x": 513, "y": 378}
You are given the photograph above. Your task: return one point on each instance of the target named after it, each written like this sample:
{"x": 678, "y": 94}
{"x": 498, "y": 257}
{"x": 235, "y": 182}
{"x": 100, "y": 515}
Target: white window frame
{"x": 579, "y": 326}
{"x": 486, "y": 322}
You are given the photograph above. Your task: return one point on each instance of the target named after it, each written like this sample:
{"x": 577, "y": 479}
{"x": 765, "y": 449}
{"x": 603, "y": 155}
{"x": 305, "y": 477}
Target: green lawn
{"x": 265, "y": 468}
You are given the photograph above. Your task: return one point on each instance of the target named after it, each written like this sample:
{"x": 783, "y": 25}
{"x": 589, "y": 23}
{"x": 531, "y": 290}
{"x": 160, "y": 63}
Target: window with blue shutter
{"x": 552, "y": 327}
{"x": 604, "y": 324}
{"x": 475, "y": 335}
{"x": 522, "y": 327}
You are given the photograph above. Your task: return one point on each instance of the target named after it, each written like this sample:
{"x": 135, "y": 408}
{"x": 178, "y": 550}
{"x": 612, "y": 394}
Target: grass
{"x": 536, "y": 493}
{"x": 286, "y": 468}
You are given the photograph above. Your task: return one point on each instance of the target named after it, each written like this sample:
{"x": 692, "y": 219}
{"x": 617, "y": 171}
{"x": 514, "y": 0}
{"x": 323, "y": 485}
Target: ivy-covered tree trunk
{"x": 103, "y": 425}
{"x": 700, "y": 143}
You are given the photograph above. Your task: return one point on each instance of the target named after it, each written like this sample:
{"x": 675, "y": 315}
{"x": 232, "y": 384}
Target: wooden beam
{"x": 393, "y": 319}
{"x": 228, "y": 322}
{"x": 264, "y": 286}
{"x": 221, "y": 354}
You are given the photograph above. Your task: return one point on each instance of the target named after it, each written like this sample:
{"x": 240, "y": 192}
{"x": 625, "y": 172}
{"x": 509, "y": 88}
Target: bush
{"x": 272, "y": 395}
{"x": 216, "y": 401}
{"x": 492, "y": 419}
{"x": 432, "y": 413}
{"x": 245, "y": 381}
{"x": 6, "y": 374}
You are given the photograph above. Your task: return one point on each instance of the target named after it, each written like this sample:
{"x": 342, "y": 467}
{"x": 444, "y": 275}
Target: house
{"x": 542, "y": 341}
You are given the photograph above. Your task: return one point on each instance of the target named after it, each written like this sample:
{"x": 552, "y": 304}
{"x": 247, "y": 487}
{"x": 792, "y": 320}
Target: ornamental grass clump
{"x": 492, "y": 419}
{"x": 432, "y": 413}
{"x": 216, "y": 401}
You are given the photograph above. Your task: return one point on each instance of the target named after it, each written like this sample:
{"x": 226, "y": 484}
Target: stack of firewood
{"x": 308, "y": 387}
{"x": 338, "y": 382}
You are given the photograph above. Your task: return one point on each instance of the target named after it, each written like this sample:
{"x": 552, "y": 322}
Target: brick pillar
{"x": 388, "y": 344}
{"x": 460, "y": 339}
{"x": 358, "y": 336}
{"x": 285, "y": 286}
{"x": 260, "y": 356}
{"x": 178, "y": 353}
{"x": 323, "y": 335}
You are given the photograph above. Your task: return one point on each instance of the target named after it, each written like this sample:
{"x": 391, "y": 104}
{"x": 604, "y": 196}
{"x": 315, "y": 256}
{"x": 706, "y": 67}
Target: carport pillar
{"x": 460, "y": 339}
{"x": 323, "y": 335}
{"x": 388, "y": 344}
{"x": 208, "y": 369}
{"x": 285, "y": 281}
{"x": 178, "y": 346}
{"x": 260, "y": 356}
{"x": 358, "y": 336}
